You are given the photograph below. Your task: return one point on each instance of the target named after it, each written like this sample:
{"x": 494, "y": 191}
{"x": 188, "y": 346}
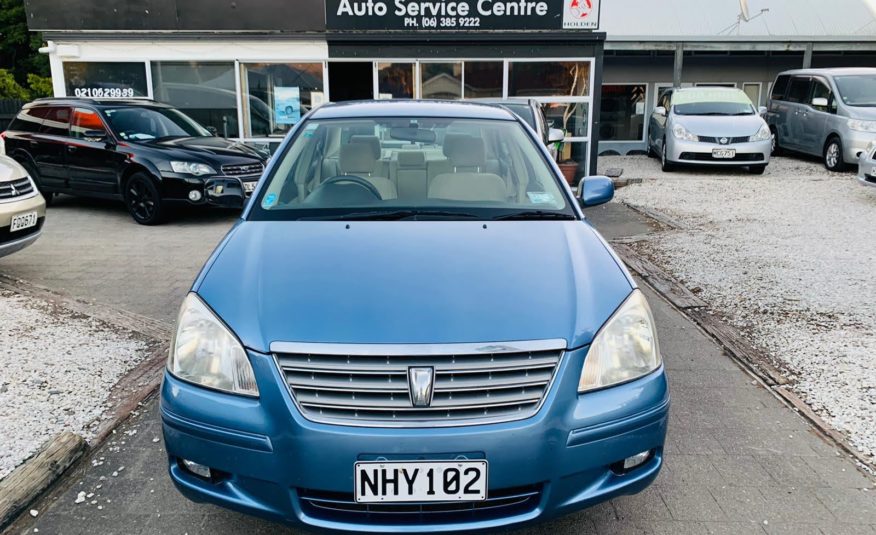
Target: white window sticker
{"x": 540, "y": 197}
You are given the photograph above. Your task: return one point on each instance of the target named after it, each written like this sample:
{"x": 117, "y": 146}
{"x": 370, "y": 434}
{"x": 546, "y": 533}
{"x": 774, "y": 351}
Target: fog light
{"x": 197, "y": 469}
{"x": 636, "y": 460}
{"x": 195, "y": 195}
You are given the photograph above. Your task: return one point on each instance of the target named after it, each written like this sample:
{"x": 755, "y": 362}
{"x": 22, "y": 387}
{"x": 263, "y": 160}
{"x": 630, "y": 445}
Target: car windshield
{"x": 857, "y": 90}
{"x": 412, "y": 168}
{"x": 712, "y": 102}
{"x": 133, "y": 123}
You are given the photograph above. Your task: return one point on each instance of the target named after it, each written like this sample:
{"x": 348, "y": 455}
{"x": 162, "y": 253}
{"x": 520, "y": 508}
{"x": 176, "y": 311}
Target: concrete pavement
{"x": 737, "y": 459}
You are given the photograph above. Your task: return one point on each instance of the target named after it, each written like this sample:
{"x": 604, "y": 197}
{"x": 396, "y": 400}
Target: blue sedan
{"x": 412, "y": 327}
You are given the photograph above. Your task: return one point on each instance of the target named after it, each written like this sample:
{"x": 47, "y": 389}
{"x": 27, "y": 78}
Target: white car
{"x": 867, "y": 166}
{"x": 22, "y": 208}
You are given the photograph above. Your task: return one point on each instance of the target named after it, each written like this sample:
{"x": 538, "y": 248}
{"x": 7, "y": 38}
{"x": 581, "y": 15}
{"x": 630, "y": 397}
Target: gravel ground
{"x": 58, "y": 369}
{"x": 788, "y": 257}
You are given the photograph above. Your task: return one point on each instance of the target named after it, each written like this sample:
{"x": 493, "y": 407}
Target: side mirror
{"x": 660, "y": 110}
{"x": 225, "y": 192}
{"x": 555, "y": 134}
{"x": 96, "y": 135}
{"x": 595, "y": 190}
{"x": 819, "y": 102}
{"x": 762, "y": 110}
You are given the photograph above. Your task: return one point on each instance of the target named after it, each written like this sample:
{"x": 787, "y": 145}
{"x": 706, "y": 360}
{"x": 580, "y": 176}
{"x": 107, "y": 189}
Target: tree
{"x": 19, "y": 48}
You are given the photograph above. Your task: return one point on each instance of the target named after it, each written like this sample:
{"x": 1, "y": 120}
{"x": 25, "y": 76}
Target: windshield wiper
{"x": 535, "y": 215}
{"x": 396, "y": 215}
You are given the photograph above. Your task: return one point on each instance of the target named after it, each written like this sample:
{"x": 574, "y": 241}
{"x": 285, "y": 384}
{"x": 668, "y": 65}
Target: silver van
{"x": 829, "y": 113}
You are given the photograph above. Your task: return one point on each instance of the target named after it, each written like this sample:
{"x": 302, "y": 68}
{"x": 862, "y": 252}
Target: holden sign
{"x": 581, "y": 14}
{"x": 461, "y": 15}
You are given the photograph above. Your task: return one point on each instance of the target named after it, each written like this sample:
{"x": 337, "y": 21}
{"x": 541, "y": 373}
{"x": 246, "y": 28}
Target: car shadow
{"x": 177, "y": 214}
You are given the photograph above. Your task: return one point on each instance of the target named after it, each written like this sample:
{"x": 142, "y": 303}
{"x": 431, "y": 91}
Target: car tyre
{"x": 757, "y": 169}
{"x": 143, "y": 200}
{"x": 776, "y": 148}
{"x": 833, "y": 155}
{"x": 665, "y": 165}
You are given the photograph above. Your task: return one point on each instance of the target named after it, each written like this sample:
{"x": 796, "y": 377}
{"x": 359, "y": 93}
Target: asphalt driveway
{"x": 737, "y": 459}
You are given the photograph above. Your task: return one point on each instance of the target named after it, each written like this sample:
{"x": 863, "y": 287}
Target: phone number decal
{"x": 104, "y": 92}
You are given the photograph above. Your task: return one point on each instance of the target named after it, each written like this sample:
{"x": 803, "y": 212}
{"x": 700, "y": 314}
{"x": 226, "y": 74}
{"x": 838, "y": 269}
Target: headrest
{"x": 371, "y": 141}
{"x": 411, "y": 159}
{"x": 356, "y": 158}
{"x": 465, "y": 151}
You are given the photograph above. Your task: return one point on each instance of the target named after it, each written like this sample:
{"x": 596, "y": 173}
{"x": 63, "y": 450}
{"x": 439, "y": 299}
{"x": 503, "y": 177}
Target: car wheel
{"x": 833, "y": 155}
{"x": 776, "y": 148}
{"x": 665, "y": 165}
{"x": 757, "y": 169}
{"x": 49, "y": 196}
{"x": 143, "y": 200}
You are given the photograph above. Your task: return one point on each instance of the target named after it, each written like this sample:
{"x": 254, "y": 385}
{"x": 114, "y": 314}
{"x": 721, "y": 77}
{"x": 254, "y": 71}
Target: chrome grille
{"x": 730, "y": 140}
{"x": 247, "y": 169}
{"x": 16, "y": 188}
{"x": 367, "y": 385}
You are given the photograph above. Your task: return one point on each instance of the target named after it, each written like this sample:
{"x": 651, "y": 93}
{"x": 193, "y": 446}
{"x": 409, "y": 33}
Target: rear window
{"x": 28, "y": 120}
{"x": 780, "y": 87}
{"x": 799, "y": 90}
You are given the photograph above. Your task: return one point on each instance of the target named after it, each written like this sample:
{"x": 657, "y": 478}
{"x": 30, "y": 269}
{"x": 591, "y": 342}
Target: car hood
{"x": 720, "y": 126}
{"x": 413, "y": 282}
{"x": 860, "y": 112}
{"x": 209, "y": 146}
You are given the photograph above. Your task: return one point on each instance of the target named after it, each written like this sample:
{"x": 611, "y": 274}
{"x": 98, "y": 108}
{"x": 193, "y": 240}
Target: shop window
{"x": 86, "y": 121}
{"x": 278, "y": 95}
{"x": 203, "y": 91}
{"x": 622, "y": 113}
{"x": 105, "y": 79}
{"x": 395, "y": 80}
{"x": 549, "y": 79}
{"x": 570, "y": 117}
{"x": 441, "y": 80}
{"x": 483, "y": 79}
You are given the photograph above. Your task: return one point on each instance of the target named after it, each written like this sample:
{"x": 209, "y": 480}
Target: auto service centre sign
{"x": 461, "y": 15}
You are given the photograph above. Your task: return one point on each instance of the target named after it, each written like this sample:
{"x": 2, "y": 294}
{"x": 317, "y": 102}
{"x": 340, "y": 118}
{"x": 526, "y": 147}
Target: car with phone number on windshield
{"x": 714, "y": 126}
{"x": 146, "y": 154}
{"x": 413, "y": 326}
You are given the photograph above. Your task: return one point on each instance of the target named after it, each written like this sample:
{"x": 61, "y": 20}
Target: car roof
{"x": 701, "y": 87}
{"x": 412, "y": 108}
{"x": 836, "y": 71}
{"x": 104, "y": 102}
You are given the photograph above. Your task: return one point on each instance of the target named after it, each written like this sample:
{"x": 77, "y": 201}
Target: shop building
{"x": 249, "y": 69}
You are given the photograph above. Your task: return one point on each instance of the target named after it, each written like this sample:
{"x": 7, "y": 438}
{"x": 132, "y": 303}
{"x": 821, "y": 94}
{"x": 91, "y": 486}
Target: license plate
{"x": 23, "y": 221}
{"x": 451, "y": 481}
{"x": 249, "y": 187}
{"x": 724, "y": 154}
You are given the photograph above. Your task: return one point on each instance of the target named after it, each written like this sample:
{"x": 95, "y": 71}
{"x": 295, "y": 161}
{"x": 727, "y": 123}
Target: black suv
{"x": 142, "y": 152}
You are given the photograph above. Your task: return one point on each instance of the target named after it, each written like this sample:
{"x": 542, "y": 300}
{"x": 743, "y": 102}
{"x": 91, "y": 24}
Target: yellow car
{"x": 22, "y": 208}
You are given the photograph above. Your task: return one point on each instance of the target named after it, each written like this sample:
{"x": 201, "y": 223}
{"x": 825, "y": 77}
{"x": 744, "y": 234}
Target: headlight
{"x": 681, "y": 132}
{"x": 203, "y": 351}
{"x": 192, "y": 168}
{"x": 624, "y": 349}
{"x": 763, "y": 134}
{"x": 862, "y": 126}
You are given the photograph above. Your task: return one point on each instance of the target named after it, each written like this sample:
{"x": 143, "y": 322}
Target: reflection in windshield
{"x": 857, "y": 90}
{"x": 712, "y": 102}
{"x": 412, "y": 168}
{"x": 145, "y": 124}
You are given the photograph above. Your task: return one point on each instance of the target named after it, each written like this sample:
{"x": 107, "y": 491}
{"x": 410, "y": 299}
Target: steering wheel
{"x": 354, "y": 179}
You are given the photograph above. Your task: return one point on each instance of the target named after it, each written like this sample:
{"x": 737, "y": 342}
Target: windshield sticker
{"x": 270, "y": 200}
{"x": 540, "y": 197}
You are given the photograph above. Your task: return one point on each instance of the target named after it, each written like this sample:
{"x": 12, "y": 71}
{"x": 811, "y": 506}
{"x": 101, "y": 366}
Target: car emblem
{"x": 14, "y": 191}
{"x": 420, "y": 381}
{"x": 724, "y": 141}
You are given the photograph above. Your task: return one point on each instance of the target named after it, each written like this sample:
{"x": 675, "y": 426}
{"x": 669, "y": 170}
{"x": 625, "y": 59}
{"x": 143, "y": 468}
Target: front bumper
{"x": 273, "y": 463}
{"x": 855, "y": 144}
{"x": 176, "y": 187}
{"x": 700, "y": 153}
{"x": 867, "y": 170}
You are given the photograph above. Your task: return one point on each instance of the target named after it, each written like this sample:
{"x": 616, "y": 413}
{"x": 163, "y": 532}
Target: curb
{"x": 735, "y": 344}
{"x": 30, "y": 480}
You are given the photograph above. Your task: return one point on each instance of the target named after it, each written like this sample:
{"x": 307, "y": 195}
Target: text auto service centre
{"x": 251, "y": 68}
